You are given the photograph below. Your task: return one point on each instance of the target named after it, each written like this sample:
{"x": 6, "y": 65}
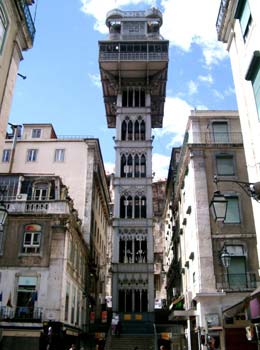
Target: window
{"x": 243, "y": 13}
{"x": 31, "y": 239}
{"x": 41, "y": 191}
{"x": 225, "y": 164}
{"x": 233, "y": 214}
{"x": 26, "y": 297}
{"x": 253, "y": 74}
{"x": 32, "y": 155}
{"x": 36, "y": 133}
{"x": 237, "y": 277}
{"x": 220, "y": 132}
{"x": 6, "y": 155}
{"x": 3, "y": 26}
{"x": 59, "y": 155}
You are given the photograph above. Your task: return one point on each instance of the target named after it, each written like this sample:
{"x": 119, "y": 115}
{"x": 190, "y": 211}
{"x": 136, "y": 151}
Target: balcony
{"x": 133, "y": 56}
{"x": 215, "y": 138}
{"x": 21, "y": 313}
{"x": 37, "y": 207}
{"x": 236, "y": 282}
{"x": 24, "y": 9}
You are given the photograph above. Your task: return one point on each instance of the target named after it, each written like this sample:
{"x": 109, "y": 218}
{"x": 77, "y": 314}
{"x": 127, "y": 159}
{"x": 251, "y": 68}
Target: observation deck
{"x": 135, "y": 54}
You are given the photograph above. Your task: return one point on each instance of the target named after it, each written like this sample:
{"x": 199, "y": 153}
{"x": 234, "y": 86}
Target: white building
{"x": 238, "y": 26}
{"x": 17, "y": 33}
{"x": 203, "y": 287}
{"x": 78, "y": 163}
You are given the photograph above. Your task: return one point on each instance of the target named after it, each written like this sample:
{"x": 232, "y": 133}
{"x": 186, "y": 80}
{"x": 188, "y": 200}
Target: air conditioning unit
{"x": 21, "y": 197}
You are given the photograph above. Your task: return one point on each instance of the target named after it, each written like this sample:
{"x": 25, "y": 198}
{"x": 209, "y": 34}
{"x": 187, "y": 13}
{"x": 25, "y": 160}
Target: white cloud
{"x": 95, "y": 79}
{"x": 184, "y": 22}
{"x": 192, "y": 87}
{"x": 198, "y": 27}
{"x": 218, "y": 94}
{"x": 206, "y": 79}
{"x": 99, "y": 8}
{"x": 109, "y": 168}
{"x": 176, "y": 113}
{"x": 160, "y": 166}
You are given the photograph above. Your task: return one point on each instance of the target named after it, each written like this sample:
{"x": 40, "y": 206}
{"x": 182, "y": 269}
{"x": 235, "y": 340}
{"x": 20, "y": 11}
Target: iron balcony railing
{"x": 21, "y": 313}
{"x": 43, "y": 207}
{"x": 133, "y": 56}
{"x": 215, "y": 138}
{"x": 28, "y": 18}
{"x": 236, "y": 281}
{"x": 221, "y": 15}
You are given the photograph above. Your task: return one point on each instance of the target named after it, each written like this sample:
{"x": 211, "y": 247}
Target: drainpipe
{"x": 16, "y": 132}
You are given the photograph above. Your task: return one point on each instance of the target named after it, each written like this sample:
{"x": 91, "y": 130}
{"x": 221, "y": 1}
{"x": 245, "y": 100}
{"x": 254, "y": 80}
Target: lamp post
{"x": 218, "y": 204}
{"x": 225, "y": 257}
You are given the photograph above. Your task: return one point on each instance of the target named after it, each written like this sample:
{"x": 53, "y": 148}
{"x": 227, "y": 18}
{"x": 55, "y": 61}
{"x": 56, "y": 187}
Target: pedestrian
{"x": 114, "y": 323}
{"x": 73, "y": 347}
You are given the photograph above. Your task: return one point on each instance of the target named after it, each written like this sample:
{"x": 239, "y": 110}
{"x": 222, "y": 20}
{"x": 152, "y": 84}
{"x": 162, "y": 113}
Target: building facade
{"x": 78, "y": 163}
{"x": 238, "y": 27}
{"x": 17, "y": 33}
{"x": 43, "y": 264}
{"x": 133, "y": 66}
{"x": 200, "y": 287}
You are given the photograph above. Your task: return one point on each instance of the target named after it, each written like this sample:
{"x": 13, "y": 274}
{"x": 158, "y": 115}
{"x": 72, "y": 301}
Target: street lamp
{"x": 218, "y": 204}
{"x": 225, "y": 257}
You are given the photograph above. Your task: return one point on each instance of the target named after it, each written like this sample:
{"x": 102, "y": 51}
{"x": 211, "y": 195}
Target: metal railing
{"x": 215, "y": 137}
{"x": 28, "y": 18}
{"x": 21, "y": 313}
{"x": 45, "y": 207}
{"x": 221, "y": 14}
{"x": 236, "y": 281}
{"x": 134, "y": 56}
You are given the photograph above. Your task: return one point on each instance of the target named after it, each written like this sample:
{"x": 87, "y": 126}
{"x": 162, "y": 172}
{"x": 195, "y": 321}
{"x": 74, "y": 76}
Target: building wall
{"x": 15, "y": 41}
{"x": 241, "y": 53}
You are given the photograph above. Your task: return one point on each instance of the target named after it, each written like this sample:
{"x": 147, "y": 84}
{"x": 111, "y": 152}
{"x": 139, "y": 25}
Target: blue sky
{"x": 63, "y": 85}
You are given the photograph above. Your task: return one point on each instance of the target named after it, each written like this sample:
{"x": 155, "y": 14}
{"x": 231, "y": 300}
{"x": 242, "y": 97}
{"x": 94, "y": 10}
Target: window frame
{"x": 6, "y": 156}
{"x": 253, "y": 75}
{"x": 230, "y": 197}
{"x": 240, "y": 15}
{"x": 220, "y": 156}
{"x": 36, "y": 133}
{"x": 5, "y": 24}
{"x": 59, "y": 155}
{"x": 32, "y": 154}
{"x": 36, "y": 247}
{"x": 218, "y": 137}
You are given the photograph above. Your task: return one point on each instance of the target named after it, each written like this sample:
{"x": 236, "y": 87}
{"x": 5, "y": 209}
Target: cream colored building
{"x": 78, "y": 162}
{"x": 238, "y": 27}
{"x": 16, "y": 35}
{"x": 201, "y": 287}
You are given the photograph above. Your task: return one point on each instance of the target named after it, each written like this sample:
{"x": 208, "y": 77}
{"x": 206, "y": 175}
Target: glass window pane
{"x": 256, "y": 88}
{"x": 245, "y": 18}
{"x": 225, "y": 165}
{"x": 220, "y": 132}
{"x": 232, "y": 211}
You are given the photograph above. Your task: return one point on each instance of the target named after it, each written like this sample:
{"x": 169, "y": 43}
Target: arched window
{"x": 122, "y": 166}
{"x": 32, "y": 239}
{"x": 129, "y": 207}
{"x": 137, "y": 166}
{"x": 129, "y": 166}
{"x": 123, "y": 130}
{"x": 143, "y": 166}
{"x": 137, "y": 130}
{"x": 143, "y": 207}
{"x": 142, "y": 130}
{"x": 122, "y": 207}
{"x": 130, "y": 131}
{"x": 137, "y": 207}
